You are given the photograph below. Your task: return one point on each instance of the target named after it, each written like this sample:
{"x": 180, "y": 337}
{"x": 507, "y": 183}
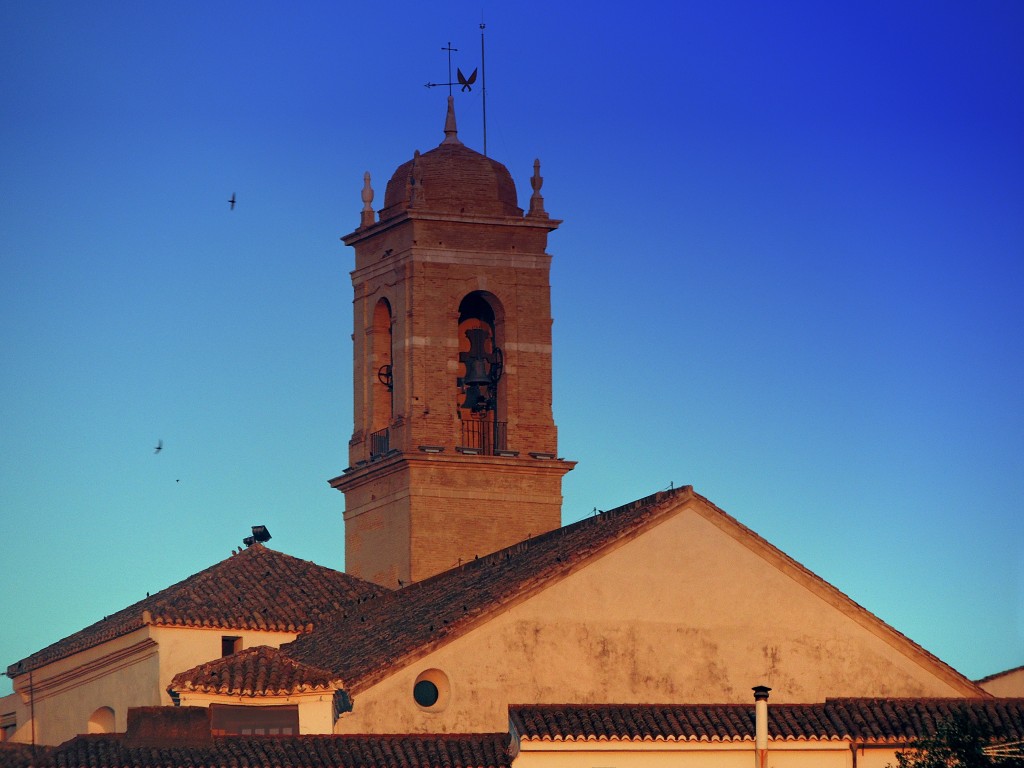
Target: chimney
{"x": 761, "y": 726}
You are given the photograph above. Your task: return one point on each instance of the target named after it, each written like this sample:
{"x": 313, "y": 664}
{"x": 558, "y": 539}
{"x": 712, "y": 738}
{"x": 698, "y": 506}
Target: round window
{"x": 431, "y": 691}
{"x": 425, "y": 693}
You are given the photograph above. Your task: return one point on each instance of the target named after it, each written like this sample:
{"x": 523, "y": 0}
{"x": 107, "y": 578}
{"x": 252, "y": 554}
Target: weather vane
{"x": 465, "y": 82}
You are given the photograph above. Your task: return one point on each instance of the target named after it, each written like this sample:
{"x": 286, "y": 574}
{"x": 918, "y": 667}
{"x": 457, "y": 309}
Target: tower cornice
{"x": 397, "y": 461}
{"x": 524, "y": 222}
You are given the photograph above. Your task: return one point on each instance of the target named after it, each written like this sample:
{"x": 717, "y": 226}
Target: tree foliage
{"x": 960, "y": 741}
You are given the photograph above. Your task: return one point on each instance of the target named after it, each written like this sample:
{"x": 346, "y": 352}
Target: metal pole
{"x": 494, "y": 444}
{"x": 32, "y": 709}
{"x": 483, "y": 84}
{"x": 449, "y": 49}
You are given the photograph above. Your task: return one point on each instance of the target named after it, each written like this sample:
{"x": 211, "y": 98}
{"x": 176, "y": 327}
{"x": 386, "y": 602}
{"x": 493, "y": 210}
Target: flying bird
{"x": 232, "y": 200}
{"x": 466, "y": 83}
{"x": 159, "y": 446}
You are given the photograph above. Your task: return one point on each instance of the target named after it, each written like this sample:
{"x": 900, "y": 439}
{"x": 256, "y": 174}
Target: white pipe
{"x": 761, "y": 726}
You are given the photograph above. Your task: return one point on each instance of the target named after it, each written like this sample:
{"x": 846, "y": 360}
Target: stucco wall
{"x": 697, "y": 754}
{"x": 129, "y": 671}
{"x": 1006, "y": 684}
{"x": 683, "y": 613}
{"x": 182, "y": 648}
{"x": 121, "y": 673}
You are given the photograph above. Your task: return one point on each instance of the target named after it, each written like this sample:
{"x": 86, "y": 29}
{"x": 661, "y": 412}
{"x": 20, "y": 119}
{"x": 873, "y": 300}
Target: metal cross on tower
{"x": 465, "y": 82}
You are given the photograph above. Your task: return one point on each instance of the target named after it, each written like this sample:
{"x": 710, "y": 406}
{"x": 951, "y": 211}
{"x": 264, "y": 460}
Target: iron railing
{"x": 380, "y": 442}
{"x": 485, "y": 436}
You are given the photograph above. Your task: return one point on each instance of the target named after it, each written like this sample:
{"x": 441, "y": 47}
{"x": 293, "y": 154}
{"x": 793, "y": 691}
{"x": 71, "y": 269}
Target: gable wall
{"x": 683, "y": 613}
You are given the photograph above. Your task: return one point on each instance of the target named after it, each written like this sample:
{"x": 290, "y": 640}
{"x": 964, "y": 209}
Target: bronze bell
{"x": 475, "y": 400}
{"x": 478, "y": 380}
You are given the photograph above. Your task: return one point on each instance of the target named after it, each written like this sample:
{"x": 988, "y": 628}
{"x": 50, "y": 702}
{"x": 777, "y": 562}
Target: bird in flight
{"x": 159, "y": 446}
{"x": 466, "y": 83}
{"x": 232, "y": 200}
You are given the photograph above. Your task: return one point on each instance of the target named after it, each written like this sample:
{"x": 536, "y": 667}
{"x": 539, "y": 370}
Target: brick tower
{"x": 455, "y": 451}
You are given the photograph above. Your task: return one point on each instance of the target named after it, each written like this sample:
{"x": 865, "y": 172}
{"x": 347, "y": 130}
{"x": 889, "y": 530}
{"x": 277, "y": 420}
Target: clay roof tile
{"x": 259, "y": 671}
{"x": 258, "y": 588}
{"x": 487, "y": 750}
{"x": 868, "y": 720}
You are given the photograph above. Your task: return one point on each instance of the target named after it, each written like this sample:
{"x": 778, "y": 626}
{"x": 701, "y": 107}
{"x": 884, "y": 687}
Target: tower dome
{"x": 451, "y": 179}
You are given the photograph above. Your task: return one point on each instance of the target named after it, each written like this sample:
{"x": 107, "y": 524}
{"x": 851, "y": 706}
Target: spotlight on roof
{"x": 260, "y": 534}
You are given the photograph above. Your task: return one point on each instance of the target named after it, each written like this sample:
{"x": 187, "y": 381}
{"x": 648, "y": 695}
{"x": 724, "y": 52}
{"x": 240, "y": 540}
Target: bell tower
{"x": 454, "y": 453}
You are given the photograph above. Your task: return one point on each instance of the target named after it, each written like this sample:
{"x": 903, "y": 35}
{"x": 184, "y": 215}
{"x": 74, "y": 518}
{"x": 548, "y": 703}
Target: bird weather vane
{"x": 465, "y": 82}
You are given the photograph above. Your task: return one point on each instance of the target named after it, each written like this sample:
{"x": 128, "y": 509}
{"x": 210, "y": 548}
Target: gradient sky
{"x": 790, "y": 274}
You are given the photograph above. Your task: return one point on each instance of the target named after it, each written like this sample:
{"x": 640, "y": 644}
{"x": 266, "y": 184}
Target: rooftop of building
{"x": 162, "y": 736}
{"x": 410, "y": 622}
{"x": 257, "y": 588}
{"x": 890, "y": 721}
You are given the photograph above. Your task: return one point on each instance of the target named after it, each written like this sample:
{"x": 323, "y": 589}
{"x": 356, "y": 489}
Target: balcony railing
{"x": 485, "y": 436}
{"x": 380, "y": 442}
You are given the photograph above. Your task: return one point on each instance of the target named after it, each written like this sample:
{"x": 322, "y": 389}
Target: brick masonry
{"x": 410, "y": 514}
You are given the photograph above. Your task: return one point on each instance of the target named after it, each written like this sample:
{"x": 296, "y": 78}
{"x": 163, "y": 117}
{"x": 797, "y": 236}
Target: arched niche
{"x": 101, "y": 721}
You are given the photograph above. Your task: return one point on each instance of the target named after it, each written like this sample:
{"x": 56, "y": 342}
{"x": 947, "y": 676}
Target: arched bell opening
{"x": 382, "y": 379}
{"x": 479, "y": 387}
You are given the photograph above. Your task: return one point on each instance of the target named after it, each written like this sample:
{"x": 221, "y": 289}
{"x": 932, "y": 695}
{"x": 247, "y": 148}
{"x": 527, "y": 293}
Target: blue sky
{"x": 790, "y": 274}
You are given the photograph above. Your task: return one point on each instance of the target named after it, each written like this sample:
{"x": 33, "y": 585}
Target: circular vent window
{"x": 431, "y": 690}
{"x": 425, "y": 693}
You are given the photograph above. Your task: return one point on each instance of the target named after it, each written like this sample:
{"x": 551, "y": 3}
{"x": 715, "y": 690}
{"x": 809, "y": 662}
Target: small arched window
{"x": 382, "y": 379}
{"x": 101, "y": 721}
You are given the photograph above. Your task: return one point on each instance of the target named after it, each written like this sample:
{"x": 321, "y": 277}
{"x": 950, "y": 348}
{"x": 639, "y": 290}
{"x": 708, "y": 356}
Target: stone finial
{"x": 536, "y": 201}
{"x": 451, "y": 135}
{"x": 367, "y": 218}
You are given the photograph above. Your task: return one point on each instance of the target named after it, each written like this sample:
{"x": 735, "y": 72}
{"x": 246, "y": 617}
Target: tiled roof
{"x": 15, "y": 755}
{"x": 111, "y": 751}
{"x": 997, "y": 675}
{"x": 868, "y": 720}
{"x": 259, "y": 671}
{"x": 257, "y": 588}
{"x": 412, "y": 621}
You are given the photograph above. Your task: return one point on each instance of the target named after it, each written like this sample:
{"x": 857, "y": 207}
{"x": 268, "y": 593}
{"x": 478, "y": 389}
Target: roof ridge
{"x": 482, "y": 561}
{"x": 994, "y": 675}
{"x": 915, "y": 699}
